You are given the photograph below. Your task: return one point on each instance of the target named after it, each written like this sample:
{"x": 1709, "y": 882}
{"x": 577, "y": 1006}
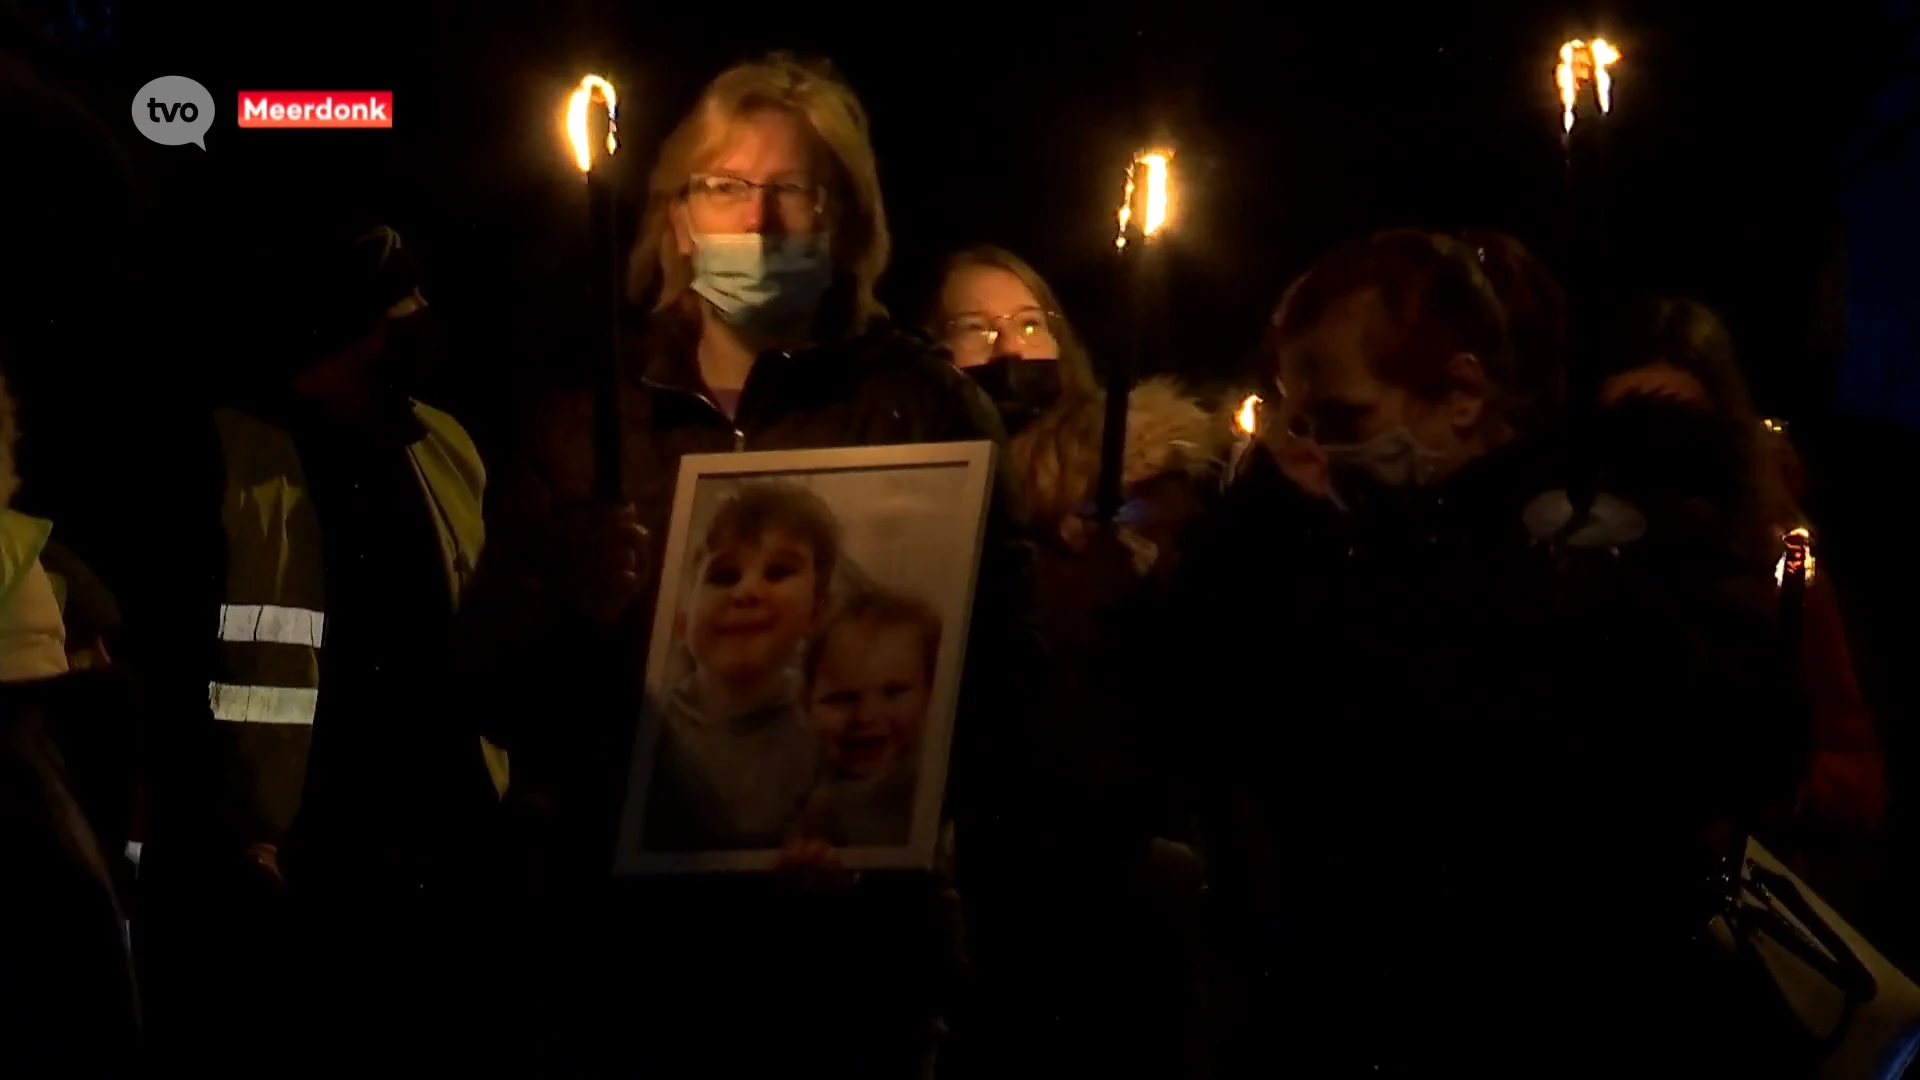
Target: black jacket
{"x": 1463, "y": 765}
{"x": 67, "y": 1000}
{"x": 885, "y": 387}
{"x": 208, "y": 800}
{"x": 770, "y": 951}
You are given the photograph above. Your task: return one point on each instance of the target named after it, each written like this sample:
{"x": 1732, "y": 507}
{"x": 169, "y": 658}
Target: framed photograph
{"x": 805, "y": 659}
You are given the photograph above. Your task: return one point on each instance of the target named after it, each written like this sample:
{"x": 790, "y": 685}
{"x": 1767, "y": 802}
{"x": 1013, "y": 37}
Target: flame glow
{"x": 1796, "y": 556}
{"x": 1159, "y": 195}
{"x": 1604, "y": 57}
{"x": 1247, "y": 419}
{"x": 1159, "y": 189}
{"x": 1569, "y": 84}
{"x": 1777, "y": 427}
{"x": 577, "y": 106}
{"x": 1580, "y": 62}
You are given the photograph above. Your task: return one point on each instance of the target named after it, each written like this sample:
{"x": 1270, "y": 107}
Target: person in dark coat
{"x": 68, "y": 1002}
{"x": 758, "y": 254}
{"x": 1461, "y": 812}
{"x": 1092, "y": 966}
{"x": 1686, "y": 443}
{"x": 67, "y": 996}
{"x": 322, "y": 804}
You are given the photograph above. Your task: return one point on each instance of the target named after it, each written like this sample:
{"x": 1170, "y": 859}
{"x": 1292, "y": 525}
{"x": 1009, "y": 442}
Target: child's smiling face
{"x": 869, "y": 696}
{"x": 754, "y": 602}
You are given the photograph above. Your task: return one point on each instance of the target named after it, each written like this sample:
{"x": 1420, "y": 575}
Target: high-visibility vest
{"x": 22, "y": 538}
{"x": 273, "y": 621}
{"x": 33, "y": 639}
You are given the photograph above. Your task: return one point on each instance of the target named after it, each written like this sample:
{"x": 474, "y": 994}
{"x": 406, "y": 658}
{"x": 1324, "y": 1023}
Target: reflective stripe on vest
{"x": 262, "y": 704}
{"x": 264, "y": 688}
{"x": 272, "y": 623}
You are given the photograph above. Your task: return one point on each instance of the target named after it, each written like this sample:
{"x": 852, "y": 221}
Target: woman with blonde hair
{"x": 759, "y": 249}
{"x": 1065, "y": 998}
{"x": 764, "y": 223}
{"x": 1004, "y": 327}
{"x": 758, "y": 253}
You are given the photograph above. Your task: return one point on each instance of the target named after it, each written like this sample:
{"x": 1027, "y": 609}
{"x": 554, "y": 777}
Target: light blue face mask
{"x": 1392, "y": 459}
{"x": 767, "y": 286}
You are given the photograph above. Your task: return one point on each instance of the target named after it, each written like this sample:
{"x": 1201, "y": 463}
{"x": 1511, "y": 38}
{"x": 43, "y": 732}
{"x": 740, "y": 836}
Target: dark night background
{"x": 1293, "y": 130}
{"x": 1763, "y": 164}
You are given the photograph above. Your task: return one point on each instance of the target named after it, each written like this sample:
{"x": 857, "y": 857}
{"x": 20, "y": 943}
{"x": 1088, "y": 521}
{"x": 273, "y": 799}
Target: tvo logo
{"x": 174, "y": 110}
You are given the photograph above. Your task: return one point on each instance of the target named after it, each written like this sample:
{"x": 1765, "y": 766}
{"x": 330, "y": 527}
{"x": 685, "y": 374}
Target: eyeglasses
{"x": 795, "y": 198}
{"x": 978, "y": 334}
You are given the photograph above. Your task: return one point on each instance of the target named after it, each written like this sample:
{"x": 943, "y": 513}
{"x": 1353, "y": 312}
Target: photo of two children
{"x": 804, "y": 684}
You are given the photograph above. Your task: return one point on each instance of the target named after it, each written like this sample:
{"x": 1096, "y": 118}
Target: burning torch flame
{"x": 1159, "y": 165}
{"x": 1604, "y": 57}
{"x": 1797, "y": 556}
{"x": 1248, "y": 418}
{"x": 1580, "y": 62}
{"x": 577, "y": 119}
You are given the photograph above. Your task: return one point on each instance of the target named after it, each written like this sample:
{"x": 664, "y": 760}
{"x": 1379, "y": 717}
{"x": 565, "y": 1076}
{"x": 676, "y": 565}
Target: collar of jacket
{"x": 392, "y": 423}
{"x": 668, "y": 346}
{"x": 1482, "y": 500}
{"x": 664, "y": 355}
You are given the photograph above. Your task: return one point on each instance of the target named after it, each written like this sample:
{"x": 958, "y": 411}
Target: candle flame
{"x": 1777, "y": 427}
{"x": 1581, "y": 62}
{"x": 1159, "y": 195}
{"x": 577, "y": 105}
{"x": 1796, "y": 556}
{"x": 1247, "y": 419}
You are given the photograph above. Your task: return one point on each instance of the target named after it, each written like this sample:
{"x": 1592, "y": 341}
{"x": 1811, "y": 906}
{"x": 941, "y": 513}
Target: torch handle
{"x": 1113, "y": 442}
{"x": 1119, "y": 387}
{"x": 604, "y": 354}
{"x": 1590, "y": 277}
{"x": 608, "y": 481}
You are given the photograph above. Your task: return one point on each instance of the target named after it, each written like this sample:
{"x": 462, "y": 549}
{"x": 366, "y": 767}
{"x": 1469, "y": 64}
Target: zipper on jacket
{"x": 739, "y": 433}
{"x": 741, "y": 419}
{"x": 739, "y": 430}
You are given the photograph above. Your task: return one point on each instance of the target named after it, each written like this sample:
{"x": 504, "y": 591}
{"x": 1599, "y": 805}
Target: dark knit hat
{"x": 339, "y": 285}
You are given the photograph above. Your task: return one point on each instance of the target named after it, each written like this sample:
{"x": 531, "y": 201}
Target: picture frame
{"x": 805, "y": 661}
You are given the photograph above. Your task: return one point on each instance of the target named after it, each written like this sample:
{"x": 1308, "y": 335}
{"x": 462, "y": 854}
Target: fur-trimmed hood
{"x": 1168, "y": 431}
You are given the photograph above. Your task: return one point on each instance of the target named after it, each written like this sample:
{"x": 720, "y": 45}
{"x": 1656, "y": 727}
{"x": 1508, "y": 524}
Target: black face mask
{"x": 1022, "y": 389}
